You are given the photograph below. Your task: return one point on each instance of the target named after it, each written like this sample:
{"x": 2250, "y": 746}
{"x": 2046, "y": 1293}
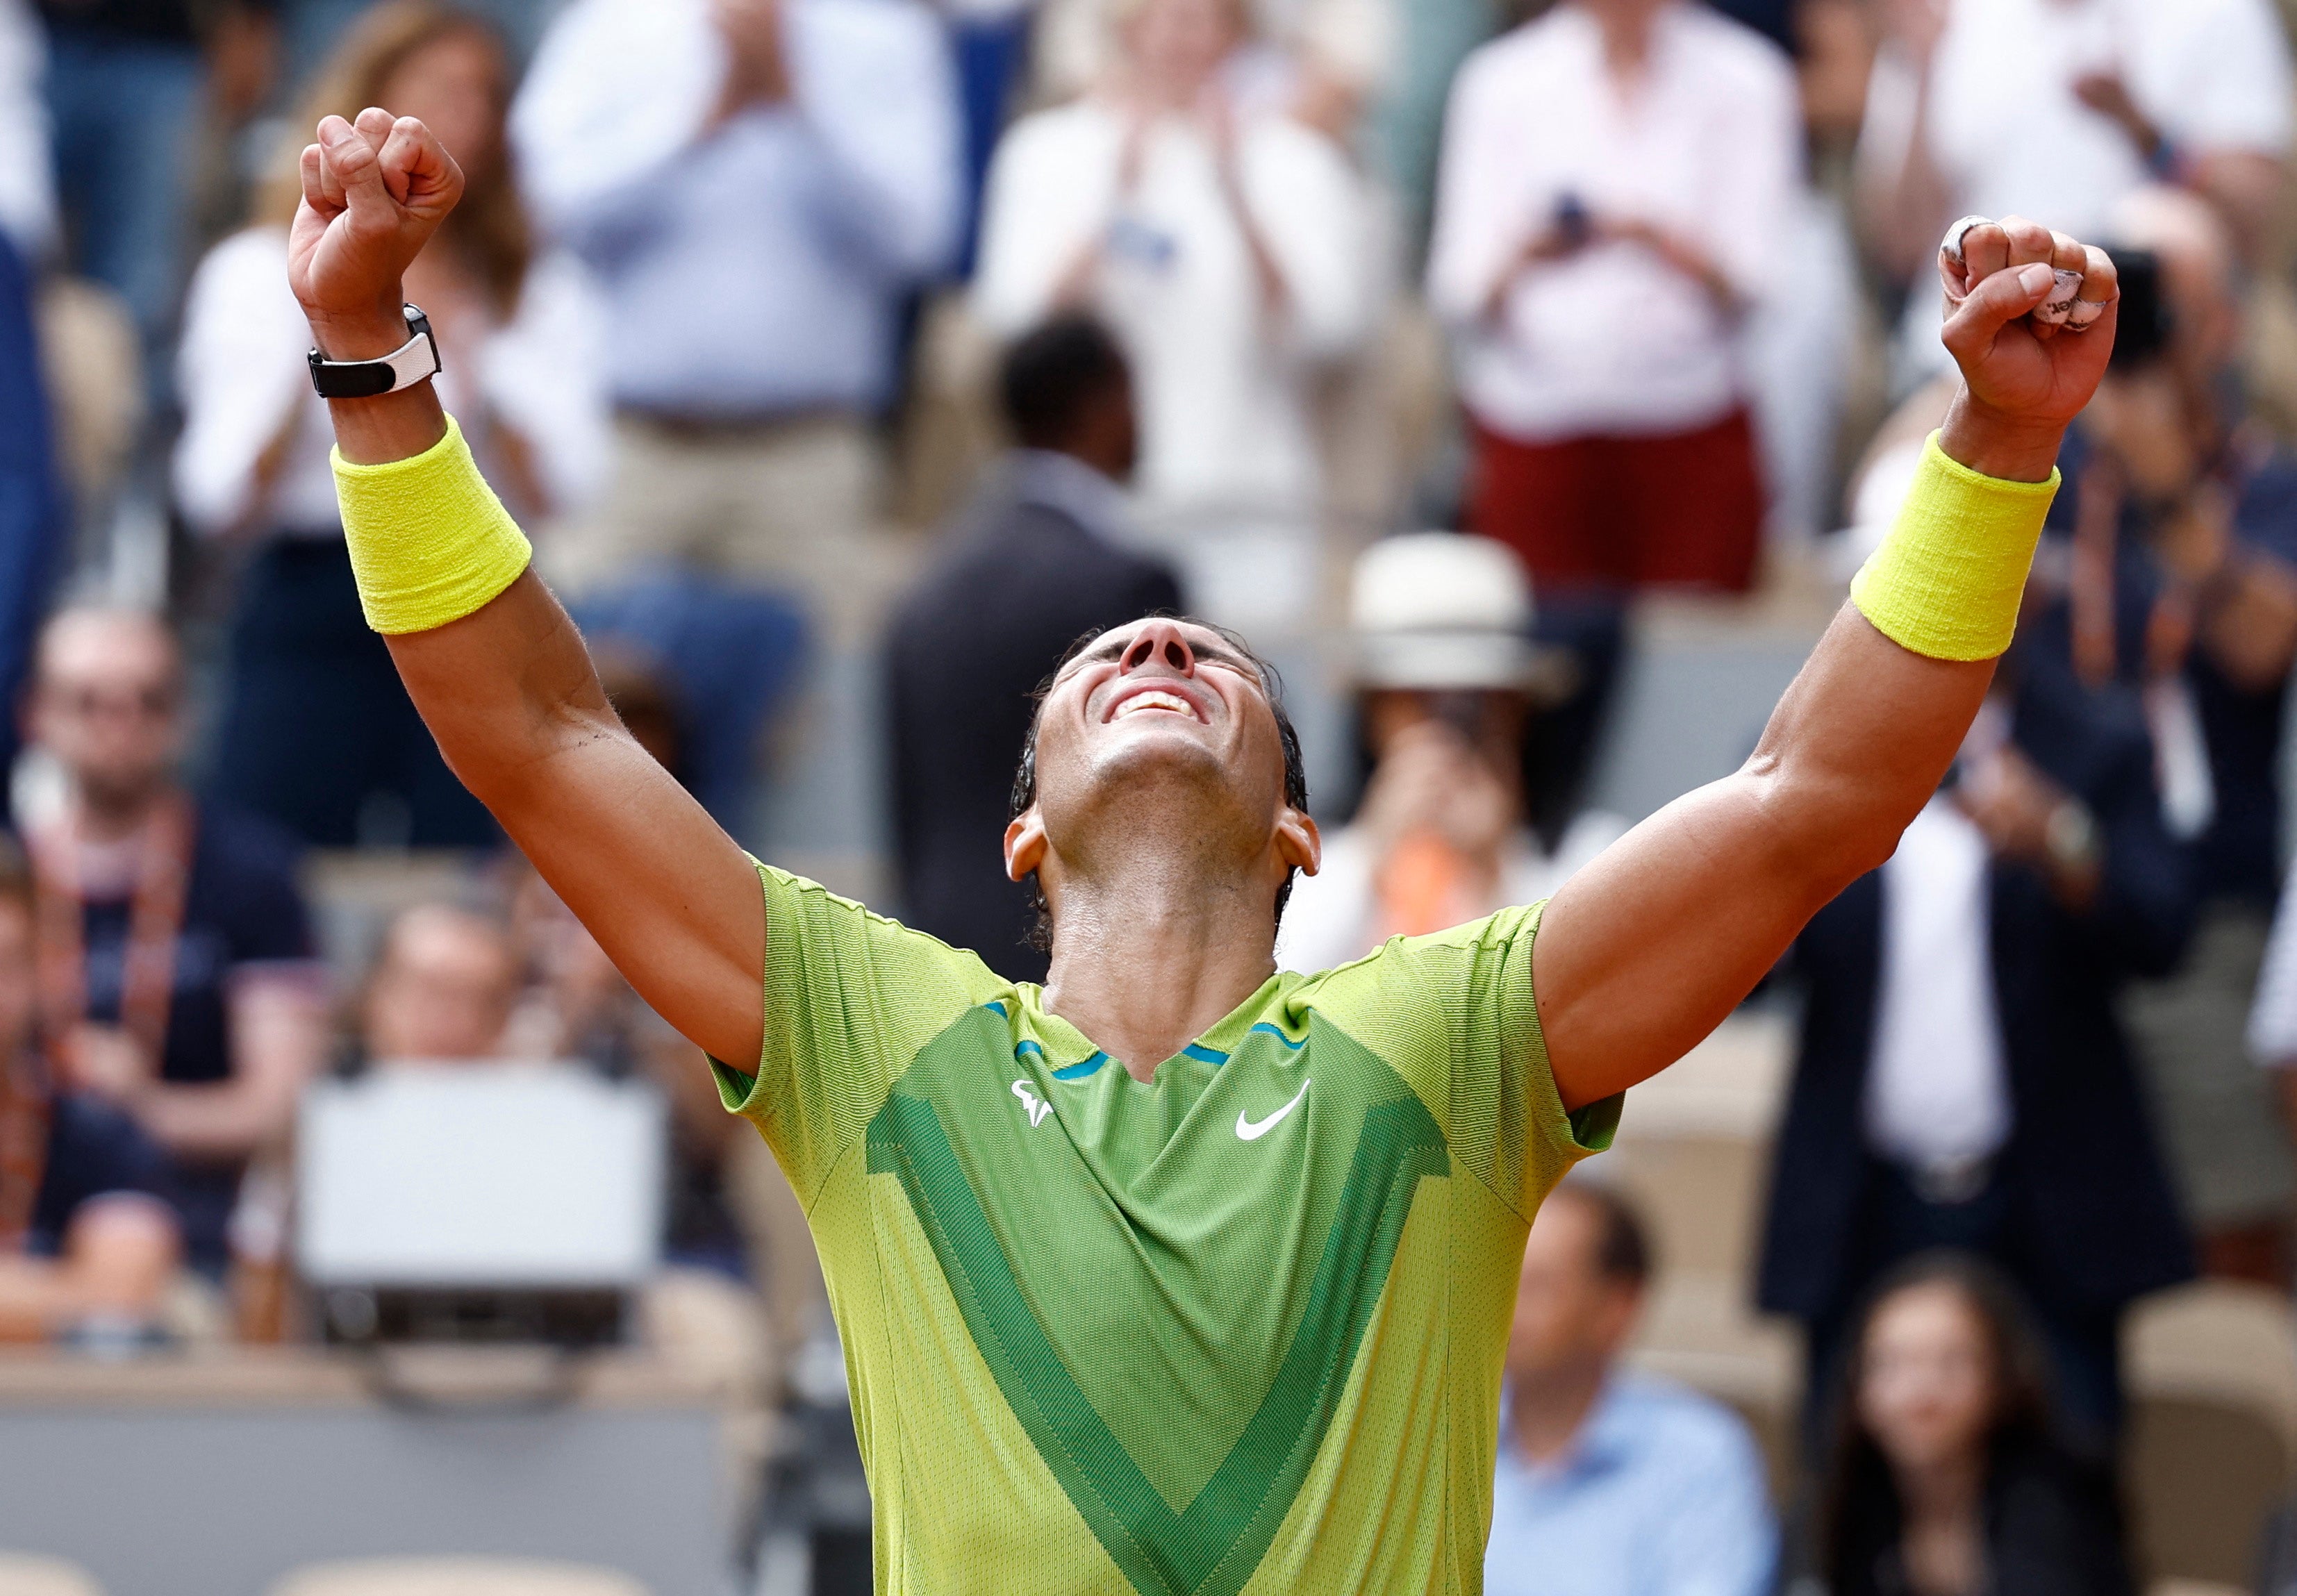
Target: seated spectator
{"x": 1038, "y": 561}
{"x": 2186, "y": 511}
{"x": 1615, "y": 176}
{"x": 1448, "y": 675}
{"x": 2055, "y": 110}
{"x": 317, "y": 734}
{"x": 179, "y": 983}
{"x": 1227, "y": 248}
{"x": 1946, "y": 1477}
{"x": 84, "y": 1249}
{"x": 760, "y": 187}
{"x": 1612, "y": 1483}
{"x": 442, "y": 991}
{"x": 1962, "y": 1078}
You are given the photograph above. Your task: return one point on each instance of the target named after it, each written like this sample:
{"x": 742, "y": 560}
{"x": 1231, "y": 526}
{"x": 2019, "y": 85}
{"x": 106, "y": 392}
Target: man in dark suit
{"x": 1035, "y": 562}
{"x": 1963, "y": 1079}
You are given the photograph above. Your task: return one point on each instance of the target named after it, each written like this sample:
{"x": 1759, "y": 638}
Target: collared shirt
{"x": 1063, "y": 482}
{"x": 1707, "y": 144}
{"x": 1662, "y": 1493}
{"x": 755, "y": 269}
{"x": 1938, "y": 1092}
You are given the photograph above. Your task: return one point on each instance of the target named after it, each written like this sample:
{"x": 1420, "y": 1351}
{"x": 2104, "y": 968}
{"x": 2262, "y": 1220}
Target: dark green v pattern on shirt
{"x": 1213, "y": 1547}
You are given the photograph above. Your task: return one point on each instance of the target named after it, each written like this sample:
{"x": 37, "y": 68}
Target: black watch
{"x": 415, "y": 361}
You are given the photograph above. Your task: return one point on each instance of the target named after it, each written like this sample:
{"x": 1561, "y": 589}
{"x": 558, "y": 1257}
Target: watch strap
{"x": 415, "y": 361}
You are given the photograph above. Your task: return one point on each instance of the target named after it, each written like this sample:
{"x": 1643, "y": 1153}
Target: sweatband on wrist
{"x": 429, "y": 540}
{"x": 1947, "y": 580}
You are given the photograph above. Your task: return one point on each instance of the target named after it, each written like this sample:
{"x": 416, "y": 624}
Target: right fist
{"x": 374, "y": 192}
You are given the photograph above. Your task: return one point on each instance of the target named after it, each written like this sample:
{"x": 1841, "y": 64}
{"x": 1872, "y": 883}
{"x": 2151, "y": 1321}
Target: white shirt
{"x": 27, "y": 197}
{"x": 241, "y": 369}
{"x": 2273, "y": 1017}
{"x": 1333, "y": 915}
{"x": 1936, "y": 1094}
{"x": 2009, "y": 137}
{"x": 1709, "y": 144}
{"x": 1222, "y": 389}
{"x": 759, "y": 269}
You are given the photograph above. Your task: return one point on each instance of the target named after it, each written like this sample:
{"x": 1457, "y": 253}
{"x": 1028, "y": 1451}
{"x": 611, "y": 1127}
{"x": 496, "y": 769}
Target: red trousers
{"x": 1682, "y": 509}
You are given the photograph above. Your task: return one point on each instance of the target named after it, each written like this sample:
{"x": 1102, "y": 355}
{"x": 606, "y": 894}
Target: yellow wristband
{"x": 1947, "y": 580}
{"x": 429, "y": 540}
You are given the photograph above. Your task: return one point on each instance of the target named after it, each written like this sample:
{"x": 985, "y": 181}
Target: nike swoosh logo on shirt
{"x": 1247, "y": 1131}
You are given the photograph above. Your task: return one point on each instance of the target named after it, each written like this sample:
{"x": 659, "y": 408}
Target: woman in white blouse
{"x": 1228, "y": 248}
{"x": 317, "y": 734}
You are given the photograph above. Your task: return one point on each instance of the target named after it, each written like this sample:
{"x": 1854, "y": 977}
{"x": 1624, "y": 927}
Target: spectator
{"x": 760, "y": 185}
{"x": 1227, "y": 248}
{"x": 1038, "y": 561}
{"x": 1962, "y": 1078}
{"x": 1615, "y": 176}
{"x": 33, "y": 520}
{"x": 1448, "y": 675}
{"x": 126, "y": 81}
{"x": 1946, "y": 1477}
{"x": 1612, "y": 1483}
{"x": 28, "y": 194}
{"x": 2055, "y": 110}
{"x": 177, "y": 966}
{"x": 317, "y": 734}
{"x": 2187, "y": 516}
{"x": 84, "y": 1248}
{"x": 443, "y": 990}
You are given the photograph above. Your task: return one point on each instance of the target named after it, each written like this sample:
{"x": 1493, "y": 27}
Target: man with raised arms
{"x": 1178, "y": 1274}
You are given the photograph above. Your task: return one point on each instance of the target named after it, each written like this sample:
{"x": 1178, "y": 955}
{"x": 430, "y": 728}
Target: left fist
{"x": 2030, "y": 317}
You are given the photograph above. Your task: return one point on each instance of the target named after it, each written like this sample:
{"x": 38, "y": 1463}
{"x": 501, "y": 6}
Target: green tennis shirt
{"x": 1235, "y": 1329}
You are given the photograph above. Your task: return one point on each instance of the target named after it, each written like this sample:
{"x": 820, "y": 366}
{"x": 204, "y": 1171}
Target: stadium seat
{"x": 2213, "y": 1381}
{"x": 456, "y": 1577}
{"x": 22, "y": 1575}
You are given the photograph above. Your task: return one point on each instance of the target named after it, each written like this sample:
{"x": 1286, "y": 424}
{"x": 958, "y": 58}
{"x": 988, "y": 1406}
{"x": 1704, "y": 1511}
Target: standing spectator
{"x": 317, "y": 734}
{"x": 1038, "y": 562}
{"x": 1612, "y": 1483}
{"x": 2056, "y": 109}
{"x": 1227, "y": 247}
{"x": 126, "y": 79}
{"x": 1962, "y": 1078}
{"x": 1947, "y": 1476}
{"x": 1447, "y": 674}
{"x": 28, "y": 193}
{"x": 84, "y": 1247}
{"x": 760, "y": 185}
{"x": 177, "y": 981}
{"x": 1615, "y": 176}
{"x": 2187, "y": 515}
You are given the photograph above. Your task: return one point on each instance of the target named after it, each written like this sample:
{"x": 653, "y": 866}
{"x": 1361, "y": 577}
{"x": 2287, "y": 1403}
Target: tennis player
{"x": 1179, "y": 1274}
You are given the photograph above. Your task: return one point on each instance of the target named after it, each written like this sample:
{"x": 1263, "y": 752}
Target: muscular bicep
{"x": 1647, "y": 949}
{"x": 510, "y": 694}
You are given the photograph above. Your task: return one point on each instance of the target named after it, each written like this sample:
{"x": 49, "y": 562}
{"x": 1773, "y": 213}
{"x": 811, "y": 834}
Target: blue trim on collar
{"x": 1081, "y": 1069}
{"x": 1277, "y": 1032}
{"x": 999, "y": 1004}
{"x": 1203, "y": 1055}
{"x": 1026, "y": 1046}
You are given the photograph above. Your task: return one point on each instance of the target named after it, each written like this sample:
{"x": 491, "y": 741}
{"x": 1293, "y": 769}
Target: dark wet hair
{"x": 1051, "y": 374}
{"x": 1272, "y": 685}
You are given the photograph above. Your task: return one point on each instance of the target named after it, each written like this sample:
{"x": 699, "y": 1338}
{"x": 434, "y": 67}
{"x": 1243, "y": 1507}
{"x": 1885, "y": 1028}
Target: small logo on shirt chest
{"x": 1037, "y": 1107}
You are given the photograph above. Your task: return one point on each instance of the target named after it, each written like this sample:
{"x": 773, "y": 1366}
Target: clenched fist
{"x": 2030, "y": 317}
{"x": 373, "y": 192}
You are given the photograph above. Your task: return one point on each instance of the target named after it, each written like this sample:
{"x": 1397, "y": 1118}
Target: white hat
{"x": 1443, "y": 612}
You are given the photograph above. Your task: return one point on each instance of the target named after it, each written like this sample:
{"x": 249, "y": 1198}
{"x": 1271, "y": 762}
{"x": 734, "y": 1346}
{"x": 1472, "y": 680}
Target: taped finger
{"x": 1951, "y": 246}
{"x": 2058, "y": 309}
{"x": 2085, "y": 315}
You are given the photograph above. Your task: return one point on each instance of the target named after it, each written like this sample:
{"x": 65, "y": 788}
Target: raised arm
{"x": 506, "y": 686}
{"x": 1646, "y": 950}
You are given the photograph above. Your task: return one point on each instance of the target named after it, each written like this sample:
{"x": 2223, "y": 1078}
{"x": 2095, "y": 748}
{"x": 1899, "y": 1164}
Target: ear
{"x": 1025, "y": 844}
{"x": 1298, "y": 843}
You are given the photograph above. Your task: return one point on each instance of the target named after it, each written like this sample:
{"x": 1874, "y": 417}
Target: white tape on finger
{"x": 2085, "y": 315}
{"x": 1951, "y": 245}
{"x": 2058, "y": 309}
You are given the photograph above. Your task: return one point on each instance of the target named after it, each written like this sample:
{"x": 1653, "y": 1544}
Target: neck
{"x": 1547, "y": 1409}
{"x": 1626, "y": 28}
{"x": 1149, "y": 954}
{"x": 1945, "y": 1492}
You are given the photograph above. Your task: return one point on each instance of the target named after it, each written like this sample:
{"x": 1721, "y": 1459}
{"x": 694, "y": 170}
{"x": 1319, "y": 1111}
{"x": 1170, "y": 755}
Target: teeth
{"x": 1155, "y": 701}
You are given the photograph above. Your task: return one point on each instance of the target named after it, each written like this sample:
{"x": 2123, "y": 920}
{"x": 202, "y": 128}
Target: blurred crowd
{"x": 1429, "y": 342}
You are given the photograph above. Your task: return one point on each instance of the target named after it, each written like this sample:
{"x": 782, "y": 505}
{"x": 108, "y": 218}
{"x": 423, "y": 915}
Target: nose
{"x": 1159, "y": 640}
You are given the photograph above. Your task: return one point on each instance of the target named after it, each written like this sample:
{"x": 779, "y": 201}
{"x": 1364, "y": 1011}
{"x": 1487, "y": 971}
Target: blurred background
{"x": 1527, "y": 380}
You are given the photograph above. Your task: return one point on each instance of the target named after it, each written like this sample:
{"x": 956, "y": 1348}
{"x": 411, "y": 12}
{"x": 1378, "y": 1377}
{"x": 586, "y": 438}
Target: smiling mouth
{"x": 1153, "y": 698}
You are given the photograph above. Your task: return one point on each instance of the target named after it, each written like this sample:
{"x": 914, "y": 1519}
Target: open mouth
{"x": 1145, "y": 700}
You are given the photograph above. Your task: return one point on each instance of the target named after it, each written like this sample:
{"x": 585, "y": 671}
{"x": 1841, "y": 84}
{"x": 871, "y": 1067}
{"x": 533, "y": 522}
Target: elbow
{"x": 1828, "y": 829}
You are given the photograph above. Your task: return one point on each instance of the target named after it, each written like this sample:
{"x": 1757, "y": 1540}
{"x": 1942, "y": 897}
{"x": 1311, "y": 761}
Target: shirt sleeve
{"x": 1718, "y": 1537}
{"x": 240, "y": 372}
{"x": 1479, "y": 220}
{"x": 2272, "y": 1017}
{"x": 2233, "y": 77}
{"x": 850, "y": 998}
{"x": 1047, "y": 193}
{"x": 1751, "y": 198}
{"x": 1309, "y": 209}
{"x": 1453, "y": 1015}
